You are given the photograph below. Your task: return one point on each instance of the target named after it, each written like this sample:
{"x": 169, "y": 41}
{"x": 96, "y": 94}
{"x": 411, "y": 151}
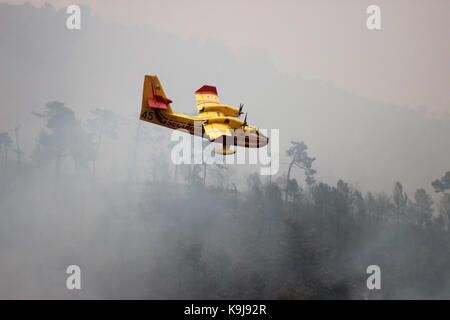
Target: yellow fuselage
{"x": 241, "y": 136}
{"x": 215, "y": 120}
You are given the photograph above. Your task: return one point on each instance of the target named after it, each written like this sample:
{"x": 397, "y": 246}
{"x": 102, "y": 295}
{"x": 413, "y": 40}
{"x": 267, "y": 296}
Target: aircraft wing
{"x": 206, "y": 96}
{"x": 217, "y": 130}
{"x": 208, "y": 103}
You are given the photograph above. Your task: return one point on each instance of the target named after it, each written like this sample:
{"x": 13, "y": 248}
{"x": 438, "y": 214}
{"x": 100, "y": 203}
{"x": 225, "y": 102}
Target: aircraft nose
{"x": 263, "y": 141}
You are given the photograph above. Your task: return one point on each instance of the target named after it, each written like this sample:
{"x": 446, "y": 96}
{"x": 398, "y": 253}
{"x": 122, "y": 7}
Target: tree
{"x": 105, "y": 121}
{"x": 301, "y": 160}
{"x": 205, "y": 143}
{"x": 18, "y": 150}
{"x": 379, "y": 207}
{"x": 423, "y": 207}
{"x": 191, "y": 173}
{"x": 255, "y": 185}
{"x": 143, "y": 134}
{"x": 400, "y": 201}
{"x": 444, "y": 208}
{"x": 321, "y": 194}
{"x": 5, "y": 144}
{"x": 443, "y": 184}
{"x": 273, "y": 201}
{"x": 63, "y": 137}
{"x": 222, "y": 174}
{"x": 342, "y": 201}
{"x": 159, "y": 165}
{"x": 358, "y": 206}
{"x": 294, "y": 191}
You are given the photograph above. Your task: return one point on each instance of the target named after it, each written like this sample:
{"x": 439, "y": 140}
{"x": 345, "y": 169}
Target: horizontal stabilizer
{"x": 158, "y": 102}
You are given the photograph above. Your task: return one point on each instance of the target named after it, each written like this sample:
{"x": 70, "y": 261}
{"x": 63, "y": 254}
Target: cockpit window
{"x": 261, "y": 135}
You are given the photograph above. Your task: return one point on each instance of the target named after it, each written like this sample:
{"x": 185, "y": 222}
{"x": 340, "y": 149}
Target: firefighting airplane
{"x": 219, "y": 122}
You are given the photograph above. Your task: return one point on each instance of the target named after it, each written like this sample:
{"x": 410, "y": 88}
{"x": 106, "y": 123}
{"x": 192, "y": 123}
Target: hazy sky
{"x": 406, "y": 62}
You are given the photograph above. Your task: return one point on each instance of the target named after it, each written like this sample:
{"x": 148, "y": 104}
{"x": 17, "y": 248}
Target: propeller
{"x": 241, "y": 106}
{"x": 245, "y": 120}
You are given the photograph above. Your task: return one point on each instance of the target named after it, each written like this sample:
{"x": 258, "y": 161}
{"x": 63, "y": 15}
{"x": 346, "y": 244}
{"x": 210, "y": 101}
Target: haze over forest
{"x": 83, "y": 181}
{"x": 365, "y": 142}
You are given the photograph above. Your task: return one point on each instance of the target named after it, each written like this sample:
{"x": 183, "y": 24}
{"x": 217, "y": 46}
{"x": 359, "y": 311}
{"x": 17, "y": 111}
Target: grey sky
{"x": 361, "y": 140}
{"x": 405, "y": 63}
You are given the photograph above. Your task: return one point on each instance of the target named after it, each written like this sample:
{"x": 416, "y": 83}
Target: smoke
{"x": 96, "y": 187}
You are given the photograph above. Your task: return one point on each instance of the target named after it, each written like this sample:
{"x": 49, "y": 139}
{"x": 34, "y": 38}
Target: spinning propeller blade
{"x": 241, "y": 106}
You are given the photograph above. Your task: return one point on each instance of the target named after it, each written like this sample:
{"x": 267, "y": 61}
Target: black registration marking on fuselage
{"x": 147, "y": 115}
